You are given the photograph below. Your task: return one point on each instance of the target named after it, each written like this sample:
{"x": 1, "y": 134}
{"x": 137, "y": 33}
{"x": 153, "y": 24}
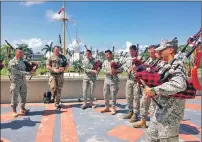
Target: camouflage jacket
{"x": 106, "y": 67}
{"x": 127, "y": 66}
{"x": 87, "y": 66}
{"x": 17, "y": 69}
{"x": 173, "y": 109}
{"x": 54, "y": 61}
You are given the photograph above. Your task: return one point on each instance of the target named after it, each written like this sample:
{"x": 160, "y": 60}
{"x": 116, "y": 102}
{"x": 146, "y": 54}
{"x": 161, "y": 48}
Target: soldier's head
{"x": 151, "y": 51}
{"x": 88, "y": 53}
{"x": 18, "y": 53}
{"x": 167, "y": 49}
{"x": 133, "y": 50}
{"x": 56, "y": 50}
{"x": 157, "y": 54}
{"x": 108, "y": 54}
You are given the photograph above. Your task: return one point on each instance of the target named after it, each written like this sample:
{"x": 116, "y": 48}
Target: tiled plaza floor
{"x": 72, "y": 124}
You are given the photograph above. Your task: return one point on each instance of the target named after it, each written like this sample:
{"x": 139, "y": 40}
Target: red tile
{"x": 193, "y": 106}
{"x": 4, "y": 140}
{"x": 7, "y": 116}
{"x": 68, "y": 127}
{"x": 126, "y": 133}
{"x": 46, "y": 128}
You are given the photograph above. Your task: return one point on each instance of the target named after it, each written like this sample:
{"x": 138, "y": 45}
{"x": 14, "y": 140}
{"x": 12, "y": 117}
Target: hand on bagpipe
{"x": 155, "y": 79}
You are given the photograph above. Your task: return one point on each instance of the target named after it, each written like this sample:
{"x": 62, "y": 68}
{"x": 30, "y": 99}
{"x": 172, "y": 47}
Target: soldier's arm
{"x": 12, "y": 68}
{"x": 104, "y": 68}
{"x": 176, "y": 84}
{"x": 126, "y": 66}
{"x": 86, "y": 67}
{"x": 48, "y": 65}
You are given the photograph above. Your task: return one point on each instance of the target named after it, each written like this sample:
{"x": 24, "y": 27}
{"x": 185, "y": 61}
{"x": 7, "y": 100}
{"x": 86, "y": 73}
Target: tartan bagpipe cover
{"x": 153, "y": 80}
{"x": 115, "y": 65}
{"x": 97, "y": 64}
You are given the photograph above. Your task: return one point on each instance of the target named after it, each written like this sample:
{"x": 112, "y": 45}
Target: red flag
{"x": 62, "y": 9}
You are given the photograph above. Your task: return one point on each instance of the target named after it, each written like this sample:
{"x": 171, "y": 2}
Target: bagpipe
{"x": 141, "y": 65}
{"x": 117, "y": 64}
{"x": 97, "y": 64}
{"x": 30, "y": 66}
{"x": 63, "y": 61}
{"x": 154, "y": 79}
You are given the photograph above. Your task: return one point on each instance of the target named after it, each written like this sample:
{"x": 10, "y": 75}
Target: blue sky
{"x": 101, "y": 24}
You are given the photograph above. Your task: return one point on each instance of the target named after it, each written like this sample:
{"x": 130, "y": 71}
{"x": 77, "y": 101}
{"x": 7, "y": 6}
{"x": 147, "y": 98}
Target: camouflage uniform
{"x": 88, "y": 78}
{"x": 165, "y": 123}
{"x": 160, "y": 64}
{"x": 131, "y": 90}
{"x": 145, "y": 102}
{"x": 56, "y": 80}
{"x": 111, "y": 84}
{"x": 17, "y": 71}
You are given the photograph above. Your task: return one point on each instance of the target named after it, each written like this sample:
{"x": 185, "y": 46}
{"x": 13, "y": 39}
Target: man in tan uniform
{"x": 56, "y": 79}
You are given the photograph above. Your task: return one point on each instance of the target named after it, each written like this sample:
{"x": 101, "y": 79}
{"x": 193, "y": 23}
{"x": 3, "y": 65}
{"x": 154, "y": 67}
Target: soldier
{"x": 111, "y": 82}
{"x": 17, "y": 71}
{"x": 152, "y": 56}
{"x": 56, "y": 80}
{"x": 89, "y": 78}
{"x": 165, "y": 122}
{"x": 131, "y": 89}
{"x": 145, "y": 102}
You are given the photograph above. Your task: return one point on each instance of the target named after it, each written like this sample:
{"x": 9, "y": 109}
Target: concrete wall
{"x": 72, "y": 89}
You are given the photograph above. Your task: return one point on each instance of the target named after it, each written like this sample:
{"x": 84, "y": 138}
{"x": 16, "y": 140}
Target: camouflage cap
{"x": 166, "y": 43}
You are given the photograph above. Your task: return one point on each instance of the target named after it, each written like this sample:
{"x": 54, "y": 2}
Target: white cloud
{"x": 29, "y": 3}
{"x": 51, "y": 15}
{"x": 35, "y": 43}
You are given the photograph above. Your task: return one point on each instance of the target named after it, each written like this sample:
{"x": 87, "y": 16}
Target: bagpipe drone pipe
{"x": 154, "y": 79}
{"x": 30, "y": 66}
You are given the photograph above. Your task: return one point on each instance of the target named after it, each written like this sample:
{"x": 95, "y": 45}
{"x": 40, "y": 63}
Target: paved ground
{"x": 72, "y": 124}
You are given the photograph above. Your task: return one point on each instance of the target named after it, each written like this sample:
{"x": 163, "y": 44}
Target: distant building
{"x": 37, "y": 56}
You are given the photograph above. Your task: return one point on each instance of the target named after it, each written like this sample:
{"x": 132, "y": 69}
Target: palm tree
{"x": 48, "y": 49}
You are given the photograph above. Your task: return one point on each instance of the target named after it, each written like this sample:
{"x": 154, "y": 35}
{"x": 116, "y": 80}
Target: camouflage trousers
{"x": 144, "y": 106}
{"x": 56, "y": 83}
{"x": 158, "y": 132}
{"x": 18, "y": 87}
{"x": 110, "y": 89}
{"x": 88, "y": 85}
{"x": 132, "y": 96}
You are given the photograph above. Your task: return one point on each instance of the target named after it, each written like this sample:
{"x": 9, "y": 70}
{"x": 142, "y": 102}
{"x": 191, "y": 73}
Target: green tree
{"x": 77, "y": 66}
{"x": 48, "y": 49}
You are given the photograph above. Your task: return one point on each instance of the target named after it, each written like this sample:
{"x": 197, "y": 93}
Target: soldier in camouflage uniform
{"x": 145, "y": 102}
{"x": 165, "y": 122}
{"x": 131, "y": 88}
{"x": 89, "y": 78}
{"x": 111, "y": 82}
{"x": 17, "y": 71}
{"x": 56, "y": 79}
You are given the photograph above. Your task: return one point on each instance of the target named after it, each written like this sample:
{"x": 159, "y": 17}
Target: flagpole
{"x": 64, "y": 42}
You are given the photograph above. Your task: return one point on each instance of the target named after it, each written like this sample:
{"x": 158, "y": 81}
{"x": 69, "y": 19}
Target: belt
{"x": 57, "y": 73}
